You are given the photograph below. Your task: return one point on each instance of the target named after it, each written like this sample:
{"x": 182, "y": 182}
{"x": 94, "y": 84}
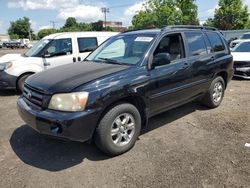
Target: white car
{"x": 241, "y": 57}
{"x": 52, "y": 51}
{"x": 244, "y": 37}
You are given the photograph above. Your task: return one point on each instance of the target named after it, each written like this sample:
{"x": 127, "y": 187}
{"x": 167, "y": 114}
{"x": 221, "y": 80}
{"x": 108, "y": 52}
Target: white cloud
{"x": 85, "y": 13}
{"x": 45, "y": 27}
{"x": 42, "y": 4}
{"x": 132, "y": 10}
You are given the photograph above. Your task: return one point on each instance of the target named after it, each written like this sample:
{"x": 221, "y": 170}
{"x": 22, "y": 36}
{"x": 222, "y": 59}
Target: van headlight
{"x": 69, "y": 102}
{"x": 5, "y": 66}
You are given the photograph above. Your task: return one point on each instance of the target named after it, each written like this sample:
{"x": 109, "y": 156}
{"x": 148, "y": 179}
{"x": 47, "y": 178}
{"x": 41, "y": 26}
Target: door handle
{"x": 212, "y": 58}
{"x": 79, "y": 59}
{"x": 47, "y": 64}
{"x": 74, "y": 59}
{"x": 185, "y": 65}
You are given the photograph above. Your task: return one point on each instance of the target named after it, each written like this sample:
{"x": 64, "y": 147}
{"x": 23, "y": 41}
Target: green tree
{"x": 231, "y": 14}
{"x": 189, "y": 12}
{"x": 20, "y": 28}
{"x": 44, "y": 32}
{"x": 70, "y": 23}
{"x": 160, "y": 13}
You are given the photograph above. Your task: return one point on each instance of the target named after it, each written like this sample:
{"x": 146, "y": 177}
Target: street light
{"x": 105, "y": 11}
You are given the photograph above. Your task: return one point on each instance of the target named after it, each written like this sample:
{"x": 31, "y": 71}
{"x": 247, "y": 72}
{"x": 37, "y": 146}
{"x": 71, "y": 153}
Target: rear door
{"x": 199, "y": 59}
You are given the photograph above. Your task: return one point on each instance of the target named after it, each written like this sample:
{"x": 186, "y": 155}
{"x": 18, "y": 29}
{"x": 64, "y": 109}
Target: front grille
{"x": 241, "y": 64}
{"x": 33, "y": 98}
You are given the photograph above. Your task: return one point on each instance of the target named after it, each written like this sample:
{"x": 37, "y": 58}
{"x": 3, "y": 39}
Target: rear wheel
{"x": 118, "y": 130}
{"x": 21, "y": 81}
{"x": 215, "y": 94}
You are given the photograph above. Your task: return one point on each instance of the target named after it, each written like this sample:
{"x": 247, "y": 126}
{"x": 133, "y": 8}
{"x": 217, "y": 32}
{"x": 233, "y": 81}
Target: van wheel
{"x": 215, "y": 94}
{"x": 118, "y": 130}
{"x": 20, "y": 82}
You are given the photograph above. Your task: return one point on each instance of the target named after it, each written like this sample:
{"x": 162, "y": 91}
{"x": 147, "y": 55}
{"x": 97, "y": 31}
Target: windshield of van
{"x": 245, "y": 36}
{"x": 37, "y": 48}
{"x": 124, "y": 50}
{"x": 242, "y": 47}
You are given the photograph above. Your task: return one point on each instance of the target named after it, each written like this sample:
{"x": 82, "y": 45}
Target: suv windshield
{"x": 124, "y": 50}
{"x": 242, "y": 47}
{"x": 37, "y": 48}
{"x": 245, "y": 36}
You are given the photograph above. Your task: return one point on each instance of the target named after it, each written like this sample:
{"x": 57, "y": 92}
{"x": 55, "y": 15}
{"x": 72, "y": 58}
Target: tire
{"x": 215, "y": 94}
{"x": 20, "y": 82}
{"x": 124, "y": 134}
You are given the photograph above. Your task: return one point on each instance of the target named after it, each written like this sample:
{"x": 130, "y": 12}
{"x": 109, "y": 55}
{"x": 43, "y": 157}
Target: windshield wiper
{"x": 112, "y": 61}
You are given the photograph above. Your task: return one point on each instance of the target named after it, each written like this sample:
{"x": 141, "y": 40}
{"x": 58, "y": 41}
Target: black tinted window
{"x": 196, "y": 43}
{"x": 60, "y": 47}
{"x": 216, "y": 42}
{"x": 87, "y": 44}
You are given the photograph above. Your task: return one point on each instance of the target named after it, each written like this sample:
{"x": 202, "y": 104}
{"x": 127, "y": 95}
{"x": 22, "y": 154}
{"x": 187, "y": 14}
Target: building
{"x": 117, "y": 26}
{"x": 4, "y": 37}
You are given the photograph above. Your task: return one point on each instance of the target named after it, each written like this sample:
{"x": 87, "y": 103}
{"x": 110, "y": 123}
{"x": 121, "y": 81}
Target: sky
{"x": 43, "y": 12}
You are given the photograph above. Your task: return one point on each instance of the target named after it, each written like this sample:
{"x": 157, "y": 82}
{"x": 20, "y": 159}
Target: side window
{"x": 59, "y": 47}
{"x": 196, "y": 43}
{"x": 173, "y": 45}
{"x": 87, "y": 44}
{"x": 216, "y": 42}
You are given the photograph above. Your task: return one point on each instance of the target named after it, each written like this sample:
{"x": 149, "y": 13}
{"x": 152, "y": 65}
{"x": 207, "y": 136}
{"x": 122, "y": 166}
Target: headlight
{"x": 4, "y": 66}
{"x": 69, "y": 102}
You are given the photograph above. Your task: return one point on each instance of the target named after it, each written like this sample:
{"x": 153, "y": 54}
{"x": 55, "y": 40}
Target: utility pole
{"x": 105, "y": 11}
{"x": 53, "y": 24}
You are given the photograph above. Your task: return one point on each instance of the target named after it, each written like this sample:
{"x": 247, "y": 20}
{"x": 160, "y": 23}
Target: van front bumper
{"x": 7, "y": 81}
{"x": 76, "y": 126}
{"x": 242, "y": 72}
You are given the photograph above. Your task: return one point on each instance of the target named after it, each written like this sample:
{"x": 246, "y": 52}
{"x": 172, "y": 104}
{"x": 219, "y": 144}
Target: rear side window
{"x": 216, "y": 42}
{"x": 87, "y": 44}
{"x": 196, "y": 43}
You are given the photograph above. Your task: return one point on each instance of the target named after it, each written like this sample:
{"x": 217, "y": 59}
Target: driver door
{"x": 59, "y": 52}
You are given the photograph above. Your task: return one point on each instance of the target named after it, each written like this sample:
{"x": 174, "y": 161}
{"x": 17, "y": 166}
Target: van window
{"x": 59, "y": 47}
{"x": 87, "y": 44}
{"x": 216, "y": 42}
{"x": 196, "y": 43}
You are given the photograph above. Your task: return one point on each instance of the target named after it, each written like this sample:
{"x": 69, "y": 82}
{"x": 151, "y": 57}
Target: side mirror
{"x": 46, "y": 54}
{"x": 161, "y": 59}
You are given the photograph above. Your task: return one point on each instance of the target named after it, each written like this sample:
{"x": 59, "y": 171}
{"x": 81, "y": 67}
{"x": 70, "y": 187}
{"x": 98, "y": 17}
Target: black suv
{"x": 128, "y": 79}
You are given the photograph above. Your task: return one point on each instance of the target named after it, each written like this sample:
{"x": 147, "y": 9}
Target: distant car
{"x": 245, "y": 36}
{"x": 1, "y": 44}
{"x": 241, "y": 56}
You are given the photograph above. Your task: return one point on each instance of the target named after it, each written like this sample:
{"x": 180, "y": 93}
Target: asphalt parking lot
{"x": 190, "y": 146}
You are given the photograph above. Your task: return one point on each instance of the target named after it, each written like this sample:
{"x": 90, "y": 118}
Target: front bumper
{"x": 7, "y": 81}
{"x": 76, "y": 126}
{"x": 242, "y": 72}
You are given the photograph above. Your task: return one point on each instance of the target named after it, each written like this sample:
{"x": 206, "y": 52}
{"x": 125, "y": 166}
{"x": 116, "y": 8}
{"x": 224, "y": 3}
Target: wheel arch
{"x": 224, "y": 75}
{"x": 23, "y": 74}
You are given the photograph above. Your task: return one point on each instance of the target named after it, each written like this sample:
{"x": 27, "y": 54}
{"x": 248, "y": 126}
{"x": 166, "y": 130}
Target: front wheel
{"x": 118, "y": 130}
{"x": 215, "y": 94}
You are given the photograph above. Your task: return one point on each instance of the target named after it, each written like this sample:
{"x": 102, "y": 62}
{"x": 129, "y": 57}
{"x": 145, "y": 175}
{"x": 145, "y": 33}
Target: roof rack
{"x": 189, "y": 27}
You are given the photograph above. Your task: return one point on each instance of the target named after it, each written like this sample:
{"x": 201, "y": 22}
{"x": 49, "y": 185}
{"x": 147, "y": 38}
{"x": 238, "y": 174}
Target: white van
{"x": 53, "y": 50}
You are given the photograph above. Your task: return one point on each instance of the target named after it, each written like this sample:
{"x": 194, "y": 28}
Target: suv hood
{"x": 65, "y": 78}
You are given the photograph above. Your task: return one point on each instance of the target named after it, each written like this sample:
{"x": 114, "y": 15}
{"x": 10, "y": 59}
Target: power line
{"x": 53, "y": 24}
